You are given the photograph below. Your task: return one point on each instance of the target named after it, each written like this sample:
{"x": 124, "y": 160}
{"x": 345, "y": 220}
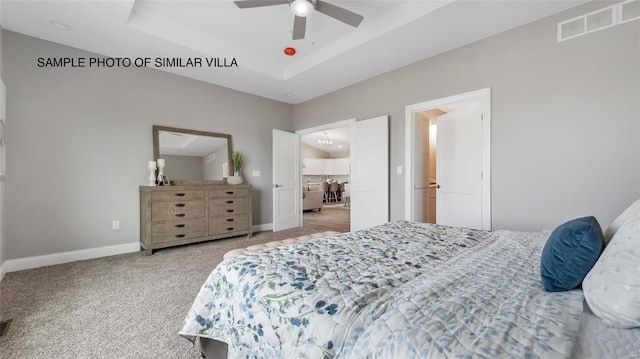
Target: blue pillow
{"x": 570, "y": 252}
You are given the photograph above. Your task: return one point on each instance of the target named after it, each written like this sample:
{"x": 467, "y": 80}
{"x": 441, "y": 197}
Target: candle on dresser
{"x": 152, "y": 173}
{"x": 160, "y": 162}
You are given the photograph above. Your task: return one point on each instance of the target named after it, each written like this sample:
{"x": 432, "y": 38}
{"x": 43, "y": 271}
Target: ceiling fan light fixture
{"x": 302, "y": 8}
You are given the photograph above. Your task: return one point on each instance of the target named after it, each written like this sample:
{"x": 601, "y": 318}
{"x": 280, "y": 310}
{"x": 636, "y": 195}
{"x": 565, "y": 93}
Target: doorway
{"x": 458, "y": 124}
{"x": 425, "y": 165}
{"x": 326, "y": 157}
{"x": 326, "y": 169}
{"x": 368, "y": 170}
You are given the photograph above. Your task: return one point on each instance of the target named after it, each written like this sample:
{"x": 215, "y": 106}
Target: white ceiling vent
{"x": 628, "y": 10}
{"x": 599, "y": 20}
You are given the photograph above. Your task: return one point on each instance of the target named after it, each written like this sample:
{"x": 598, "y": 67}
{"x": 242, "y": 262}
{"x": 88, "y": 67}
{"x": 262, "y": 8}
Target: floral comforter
{"x": 399, "y": 290}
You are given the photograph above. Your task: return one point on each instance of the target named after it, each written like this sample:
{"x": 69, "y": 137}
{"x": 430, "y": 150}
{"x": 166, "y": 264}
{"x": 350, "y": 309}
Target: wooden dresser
{"x": 176, "y": 215}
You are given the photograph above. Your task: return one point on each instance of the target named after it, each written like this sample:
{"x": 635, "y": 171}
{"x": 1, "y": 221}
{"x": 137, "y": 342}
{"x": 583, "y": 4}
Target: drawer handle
{"x": 179, "y": 194}
{"x": 180, "y": 225}
{"x": 180, "y": 235}
{"x": 180, "y": 215}
{"x": 230, "y": 210}
{"x": 229, "y": 192}
{"x": 230, "y": 219}
{"x": 229, "y": 202}
{"x": 230, "y": 228}
{"x": 180, "y": 204}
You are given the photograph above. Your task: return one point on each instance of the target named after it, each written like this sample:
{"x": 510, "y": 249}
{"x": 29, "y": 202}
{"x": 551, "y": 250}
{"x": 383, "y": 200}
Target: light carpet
{"x": 124, "y": 306}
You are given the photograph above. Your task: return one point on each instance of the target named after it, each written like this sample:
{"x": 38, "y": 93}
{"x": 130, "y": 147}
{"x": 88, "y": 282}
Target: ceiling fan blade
{"x": 259, "y": 3}
{"x": 340, "y": 14}
{"x": 299, "y": 27}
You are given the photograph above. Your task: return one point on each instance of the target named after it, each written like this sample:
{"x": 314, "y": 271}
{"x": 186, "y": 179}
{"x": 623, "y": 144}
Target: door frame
{"x": 328, "y": 126}
{"x": 482, "y": 95}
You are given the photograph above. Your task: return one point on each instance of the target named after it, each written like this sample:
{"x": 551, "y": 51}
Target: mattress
{"x": 596, "y": 340}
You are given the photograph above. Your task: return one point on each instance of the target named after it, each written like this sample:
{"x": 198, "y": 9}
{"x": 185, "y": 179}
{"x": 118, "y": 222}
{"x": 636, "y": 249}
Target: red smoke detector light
{"x": 289, "y": 51}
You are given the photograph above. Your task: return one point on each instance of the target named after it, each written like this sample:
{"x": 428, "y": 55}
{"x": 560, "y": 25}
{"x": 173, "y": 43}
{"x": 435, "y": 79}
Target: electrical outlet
{"x": 255, "y": 173}
{"x": 115, "y": 224}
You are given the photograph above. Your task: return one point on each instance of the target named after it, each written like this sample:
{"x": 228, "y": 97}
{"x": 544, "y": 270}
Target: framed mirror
{"x": 192, "y": 156}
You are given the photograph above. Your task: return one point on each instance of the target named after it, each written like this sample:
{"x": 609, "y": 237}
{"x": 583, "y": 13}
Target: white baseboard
{"x": 263, "y": 227}
{"x": 13, "y": 265}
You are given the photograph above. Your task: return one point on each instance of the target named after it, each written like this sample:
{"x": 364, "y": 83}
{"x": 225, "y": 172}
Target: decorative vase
{"x": 235, "y": 179}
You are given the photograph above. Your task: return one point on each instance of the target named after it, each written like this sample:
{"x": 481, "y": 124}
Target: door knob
{"x": 437, "y": 186}
{"x": 277, "y": 185}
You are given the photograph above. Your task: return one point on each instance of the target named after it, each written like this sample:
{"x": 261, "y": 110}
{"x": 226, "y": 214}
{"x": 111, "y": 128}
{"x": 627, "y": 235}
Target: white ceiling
{"x": 333, "y": 55}
{"x": 339, "y": 137}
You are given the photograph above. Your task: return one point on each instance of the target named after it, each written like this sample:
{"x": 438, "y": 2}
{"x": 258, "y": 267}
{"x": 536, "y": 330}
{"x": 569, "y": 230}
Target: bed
{"x": 398, "y": 290}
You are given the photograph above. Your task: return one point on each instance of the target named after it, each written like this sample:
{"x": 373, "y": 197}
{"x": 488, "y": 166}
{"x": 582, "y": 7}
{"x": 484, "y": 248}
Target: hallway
{"x": 334, "y": 217}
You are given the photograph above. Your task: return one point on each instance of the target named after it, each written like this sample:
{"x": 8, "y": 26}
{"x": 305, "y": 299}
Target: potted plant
{"x": 238, "y": 160}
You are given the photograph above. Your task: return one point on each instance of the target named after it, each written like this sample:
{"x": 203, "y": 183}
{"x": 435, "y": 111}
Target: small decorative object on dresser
{"x": 176, "y": 215}
{"x": 160, "y": 163}
{"x": 152, "y": 173}
{"x": 234, "y": 180}
{"x": 238, "y": 159}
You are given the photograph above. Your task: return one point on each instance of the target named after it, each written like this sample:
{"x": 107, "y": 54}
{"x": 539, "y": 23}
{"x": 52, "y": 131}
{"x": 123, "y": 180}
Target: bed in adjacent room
{"x": 415, "y": 290}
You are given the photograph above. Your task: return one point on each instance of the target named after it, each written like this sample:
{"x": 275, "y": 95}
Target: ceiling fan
{"x": 303, "y": 8}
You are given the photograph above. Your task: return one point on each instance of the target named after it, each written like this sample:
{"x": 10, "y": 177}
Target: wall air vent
{"x": 600, "y": 19}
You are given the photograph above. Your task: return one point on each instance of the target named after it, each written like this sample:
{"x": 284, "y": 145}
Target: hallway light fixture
{"x": 325, "y": 140}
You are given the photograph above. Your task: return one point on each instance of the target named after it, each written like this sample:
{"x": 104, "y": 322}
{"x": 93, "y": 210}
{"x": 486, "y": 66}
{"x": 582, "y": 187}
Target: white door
{"x": 421, "y": 205}
{"x": 286, "y": 180}
{"x": 459, "y": 167}
{"x": 370, "y": 173}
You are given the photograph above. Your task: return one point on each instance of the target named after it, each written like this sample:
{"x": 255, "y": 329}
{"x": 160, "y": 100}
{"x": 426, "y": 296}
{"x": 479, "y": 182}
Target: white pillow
{"x": 612, "y": 287}
{"x": 633, "y": 211}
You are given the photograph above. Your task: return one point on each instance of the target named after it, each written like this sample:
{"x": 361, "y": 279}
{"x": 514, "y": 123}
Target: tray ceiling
{"x": 333, "y": 55}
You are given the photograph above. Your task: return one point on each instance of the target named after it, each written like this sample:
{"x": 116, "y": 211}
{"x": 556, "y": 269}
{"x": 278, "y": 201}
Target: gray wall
{"x": 565, "y": 130}
{"x": 2, "y": 186}
{"x": 81, "y": 138}
{"x": 565, "y": 118}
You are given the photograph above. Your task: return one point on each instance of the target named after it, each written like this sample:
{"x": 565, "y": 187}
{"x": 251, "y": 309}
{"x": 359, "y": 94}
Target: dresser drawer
{"x": 228, "y": 193}
{"x": 177, "y": 230}
{"x": 172, "y": 210}
{"x": 228, "y": 224}
{"x": 229, "y": 206}
{"x": 176, "y": 195}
